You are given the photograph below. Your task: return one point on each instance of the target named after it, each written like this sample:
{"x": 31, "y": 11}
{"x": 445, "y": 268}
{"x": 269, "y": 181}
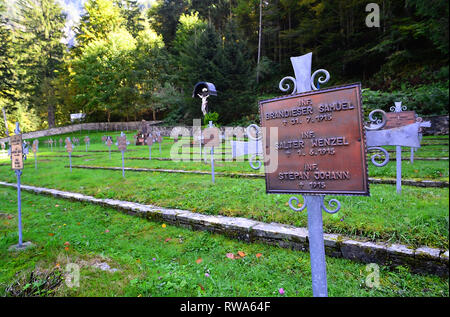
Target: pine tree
{"x": 41, "y": 51}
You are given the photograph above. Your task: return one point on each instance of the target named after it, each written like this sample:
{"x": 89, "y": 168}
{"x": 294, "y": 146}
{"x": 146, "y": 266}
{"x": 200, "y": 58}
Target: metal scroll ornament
{"x": 258, "y": 138}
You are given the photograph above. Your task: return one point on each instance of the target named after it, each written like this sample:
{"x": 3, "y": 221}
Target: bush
{"x": 425, "y": 100}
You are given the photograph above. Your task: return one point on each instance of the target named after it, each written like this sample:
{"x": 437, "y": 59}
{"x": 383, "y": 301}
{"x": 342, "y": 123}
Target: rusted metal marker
{"x": 87, "y": 142}
{"x": 314, "y": 144}
{"x": 18, "y": 151}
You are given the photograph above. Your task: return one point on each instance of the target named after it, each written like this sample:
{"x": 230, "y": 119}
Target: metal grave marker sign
{"x": 321, "y": 142}
{"x": 16, "y": 150}
{"x": 402, "y": 128}
{"x": 318, "y": 145}
{"x": 211, "y": 137}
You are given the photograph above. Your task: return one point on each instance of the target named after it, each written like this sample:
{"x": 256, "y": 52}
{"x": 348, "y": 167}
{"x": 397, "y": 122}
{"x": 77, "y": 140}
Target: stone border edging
{"x": 384, "y": 181}
{"x": 420, "y": 260}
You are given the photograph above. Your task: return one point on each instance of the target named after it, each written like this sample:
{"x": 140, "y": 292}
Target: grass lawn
{"x": 153, "y": 259}
{"x": 419, "y": 216}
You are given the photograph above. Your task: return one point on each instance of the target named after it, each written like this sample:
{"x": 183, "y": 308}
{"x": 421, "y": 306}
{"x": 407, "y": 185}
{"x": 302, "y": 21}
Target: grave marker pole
{"x": 398, "y": 151}
{"x": 18, "y": 152}
{"x": 314, "y": 196}
{"x": 123, "y": 165}
{"x": 212, "y": 156}
{"x": 19, "y": 206}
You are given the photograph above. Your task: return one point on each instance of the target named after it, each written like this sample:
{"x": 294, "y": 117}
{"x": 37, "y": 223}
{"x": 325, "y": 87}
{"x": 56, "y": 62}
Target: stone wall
{"x": 100, "y": 126}
{"x": 439, "y": 126}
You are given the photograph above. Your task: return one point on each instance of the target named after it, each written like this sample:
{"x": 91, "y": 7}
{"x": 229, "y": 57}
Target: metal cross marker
{"x": 18, "y": 151}
{"x": 109, "y": 142}
{"x": 211, "y": 139}
{"x": 69, "y": 148}
{"x": 122, "y": 146}
{"x": 402, "y": 129}
{"x": 87, "y": 141}
{"x": 314, "y": 203}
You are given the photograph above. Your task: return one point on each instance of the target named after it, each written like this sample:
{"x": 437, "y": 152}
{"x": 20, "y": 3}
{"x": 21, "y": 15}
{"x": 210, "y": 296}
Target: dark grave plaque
{"x": 16, "y": 152}
{"x": 399, "y": 119}
{"x": 321, "y": 142}
{"x": 211, "y": 137}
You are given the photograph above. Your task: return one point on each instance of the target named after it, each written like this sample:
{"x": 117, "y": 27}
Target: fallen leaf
{"x": 138, "y": 261}
{"x": 9, "y": 217}
{"x": 106, "y": 231}
{"x": 51, "y": 234}
{"x": 199, "y": 260}
{"x": 241, "y": 254}
{"x": 167, "y": 240}
{"x": 258, "y": 255}
{"x": 230, "y": 256}
{"x": 56, "y": 205}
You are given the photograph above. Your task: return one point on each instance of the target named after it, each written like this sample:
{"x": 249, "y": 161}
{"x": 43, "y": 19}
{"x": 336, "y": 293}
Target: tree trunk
{"x": 51, "y": 116}
{"x": 259, "y": 41}
{"x": 154, "y": 115}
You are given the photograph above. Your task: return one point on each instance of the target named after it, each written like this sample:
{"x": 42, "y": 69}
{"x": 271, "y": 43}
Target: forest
{"x": 128, "y": 62}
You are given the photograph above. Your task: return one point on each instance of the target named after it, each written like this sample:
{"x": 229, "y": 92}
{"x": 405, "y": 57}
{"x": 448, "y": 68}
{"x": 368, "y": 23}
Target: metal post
{"x": 399, "y": 168}
{"x": 411, "y": 158}
{"x": 212, "y": 156}
{"x": 19, "y": 206}
{"x": 123, "y": 165}
{"x": 159, "y": 149}
{"x": 316, "y": 245}
{"x": 70, "y": 161}
{"x": 150, "y": 153}
{"x": 35, "y": 161}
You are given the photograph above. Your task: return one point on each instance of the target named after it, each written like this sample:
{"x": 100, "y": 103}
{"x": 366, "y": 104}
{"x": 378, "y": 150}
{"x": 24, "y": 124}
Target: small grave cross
{"x": 18, "y": 151}
{"x": 122, "y": 146}
{"x": 69, "y": 149}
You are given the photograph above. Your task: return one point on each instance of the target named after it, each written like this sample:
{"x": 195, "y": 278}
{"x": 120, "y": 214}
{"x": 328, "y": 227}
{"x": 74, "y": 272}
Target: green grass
{"x": 419, "y": 216}
{"x": 153, "y": 260}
